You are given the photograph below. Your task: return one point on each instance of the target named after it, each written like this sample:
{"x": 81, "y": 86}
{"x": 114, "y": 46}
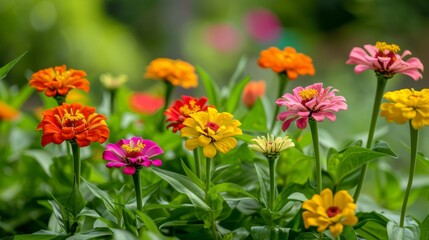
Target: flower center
{"x": 133, "y": 149}
{"x": 383, "y": 46}
{"x": 213, "y": 126}
{"x": 333, "y": 211}
{"x": 308, "y": 94}
{"x": 190, "y": 108}
{"x": 71, "y": 119}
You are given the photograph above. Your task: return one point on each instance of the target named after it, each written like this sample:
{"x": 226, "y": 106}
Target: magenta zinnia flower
{"x": 383, "y": 58}
{"x": 132, "y": 153}
{"x": 313, "y": 102}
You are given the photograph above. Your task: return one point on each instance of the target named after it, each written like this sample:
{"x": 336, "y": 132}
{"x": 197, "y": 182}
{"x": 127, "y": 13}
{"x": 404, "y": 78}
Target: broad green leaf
{"x": 94, "y": 233}
{"x": 102, "y": 195}
{"x": 184, "y": 185}
{"x": 148, "y": 190}
{"x": 383, "y": 147}
{"x": 150, "y": 226}
{"x": 122, "y": 234}
{"x": 265, "y": 232}
{"x": 192, "y": 175}
{"x": 44, "y": 158}
{"x": 371, "y": 225}
{"x": 234, "y": 96}
{"x": 348, "y": 233}
{"x": 284, "y": 197}
{"x": 75, "y": 202}
{"x": 263, "y": 183}
{"x": 34, "y": 236}
{"x": 255, "y": 119}
{"x": 230, "y": 188}
{"x": 210, "y": 85}
{"x": 409, "y": 232}
{"x": 57, "y": 211}
{"x": 6, "y": 68}
{"x": 424, "y": 229}
{"x": 293, "y": 166}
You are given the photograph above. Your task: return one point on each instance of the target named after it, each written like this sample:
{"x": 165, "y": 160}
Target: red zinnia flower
{"x": 181, "y": 110}
{"x": 73, "y": 122}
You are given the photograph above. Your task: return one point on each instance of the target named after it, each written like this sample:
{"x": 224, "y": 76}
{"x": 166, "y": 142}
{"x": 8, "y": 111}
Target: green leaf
{"x": 148, "y": 190}
{"x": 184, "y": 185}
{"x": 35, "y": 236}
{"x": 349, "y": 233}
{"x": 238, "y": 72}
{"x": 265, "y": 232}
{"x": 22, "y": 96}
{"x": 409, "y": 232}
{"x": 57, "y": 212}
{"x": 234, "y": 96}
{"x": 212, "y": 89}
{"x": 94, "y": 233}
{"x": 230, "y": 188}
{"x": 383, "y": 147}
{"x": 424, "y": 229}
{"x": 102, "y": 195}
{"x": 255, "y": 119}
{"x": 42, "y": 157}
{"x": 285, "y": 196}
{"x": 6, "y": 68}
{"x": 192, "y": 175}
{"x": 293, "y": 166}
{"x": 263, "y": 183}
{"x": 371, "y": 225}
{"x": 75, "y": 202}
{"x": 150, "y": 226}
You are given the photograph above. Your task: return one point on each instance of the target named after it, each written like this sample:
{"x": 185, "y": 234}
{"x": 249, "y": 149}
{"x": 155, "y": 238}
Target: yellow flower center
{"x": 213, "y": 126}
{"x": 71, "y": 119}
{"x": 308, "y": 94}
{"x": 190, "y": 108}
{"x": 132, "y": 149}
{"x": 333, "y": 211}
{"x": 383, "y": 46}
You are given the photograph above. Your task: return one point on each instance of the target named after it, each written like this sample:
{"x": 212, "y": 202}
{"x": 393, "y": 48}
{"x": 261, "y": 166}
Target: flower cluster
{"x": 132, "y": 154}
{"x": 385, "y": 60}
{"x": 311, "y": 102}
{"x": 286, "y": 61}
{"x": 58, "y": 81}
{"x": 182, "y": 109}
{"x": 73, "y": 122}
{"x": 326, "y": 210}
{"x": 407, "y": 105}
{"x": 176, "y": 72}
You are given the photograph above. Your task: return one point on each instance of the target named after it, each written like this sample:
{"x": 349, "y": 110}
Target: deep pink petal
{"x": 130, "y": 170}
{"x": 157, "y": 162}
{"x": 301, "y": 123}
{"x": 112, "y": 156}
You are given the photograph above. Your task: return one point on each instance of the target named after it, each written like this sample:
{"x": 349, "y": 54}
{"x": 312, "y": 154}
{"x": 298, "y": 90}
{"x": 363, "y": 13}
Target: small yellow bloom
{"x": 177, "y": 72}
{"x": 325, "y": 210}
{"x": 212, "y": 131}
{"x": 407, "y": 105}
{"x": 270, "y": 146}
{"x": 110, "y": 82}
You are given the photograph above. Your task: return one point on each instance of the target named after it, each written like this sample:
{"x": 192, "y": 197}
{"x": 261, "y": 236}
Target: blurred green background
{"x": 123, "y": 36}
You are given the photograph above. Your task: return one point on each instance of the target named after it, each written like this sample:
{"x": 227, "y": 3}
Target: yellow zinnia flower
{"x": 177, "y": 72}
{"x": 212, "y": 131}
{"x": 325, "y": 210}
{"x": 405, "y": 105}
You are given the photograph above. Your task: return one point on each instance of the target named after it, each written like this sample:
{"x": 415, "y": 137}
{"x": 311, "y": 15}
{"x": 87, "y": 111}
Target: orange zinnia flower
{"x": 59, "y": 81}
{"x": 287, "y": 61}
{"x": 252, "y": 91}
{"x": 177, "y": 72}
{"x": 73, "y": 122}
{"x": 7, "y": 112}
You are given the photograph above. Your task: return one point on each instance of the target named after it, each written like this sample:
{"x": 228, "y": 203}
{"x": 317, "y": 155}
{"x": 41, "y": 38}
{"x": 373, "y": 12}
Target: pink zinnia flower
{"x": 383, "y": 58}
{"x": 132, "y": 153}
{"x": 313, "y": 102}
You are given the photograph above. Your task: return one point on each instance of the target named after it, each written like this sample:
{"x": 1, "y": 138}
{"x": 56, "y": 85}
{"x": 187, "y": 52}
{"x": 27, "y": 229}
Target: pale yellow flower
{"x": 270, "y": 146}
{"x": 407, "y": 105}
{"x": 212, "y": 131}
{"x": 111, "y": 82}
{"x": 325, "y": 210}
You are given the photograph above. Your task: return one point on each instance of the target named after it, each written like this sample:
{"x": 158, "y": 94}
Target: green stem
{"x": 76, "y": 161}
{"x": 60, "y": 99}
{"x": 214, "y": 230}
{"x": 197, "y": 162}
{"x": 315, "y": 137}
{"x": 271, "y": 164}
{"x": 414, "y": 136}
{"x": 208, "y": 174}
{"x": 138, "y": 189}
{"x": 168, "y": 91}
{"x": 282, "y": 85}
{"x": 112, "y": 101}
{"x": 381, "y": 85}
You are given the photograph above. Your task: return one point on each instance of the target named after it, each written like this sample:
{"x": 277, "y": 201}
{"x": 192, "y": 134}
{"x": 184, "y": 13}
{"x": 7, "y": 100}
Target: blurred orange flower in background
{"x": 177, "y": 72}
{"x": 145, "y": 103}
{"x": 252, "y": 91}
{"x": 288, "y": 61}
{"x": 73, "y": 122}
{"x": 7, "y": 112}
{"x": 59, "y": 81}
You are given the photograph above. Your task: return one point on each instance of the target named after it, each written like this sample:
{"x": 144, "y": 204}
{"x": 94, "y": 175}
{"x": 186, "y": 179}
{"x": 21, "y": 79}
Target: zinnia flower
{"x": 110, "y": 82}
{"x": 177, "y": 72}
{"x": 313, "y": 102}
{"x": 212, "y": 131}
{"x": 59, "y": 81}
{"x": 7, "y": 112}
{"x": 286, "y": 61}
{"x": 270, "y": 146}
{"x": 132, "y": 154}
{"x": 73, "y": 122}
{"x": 252, "y": 91}
{"x": 325, "y": 210}
{"x": 385, "y": 60}
{"x": 405, "y": 105}
{"x": 181, "y": 110}
{"x": 145, "y": 103}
